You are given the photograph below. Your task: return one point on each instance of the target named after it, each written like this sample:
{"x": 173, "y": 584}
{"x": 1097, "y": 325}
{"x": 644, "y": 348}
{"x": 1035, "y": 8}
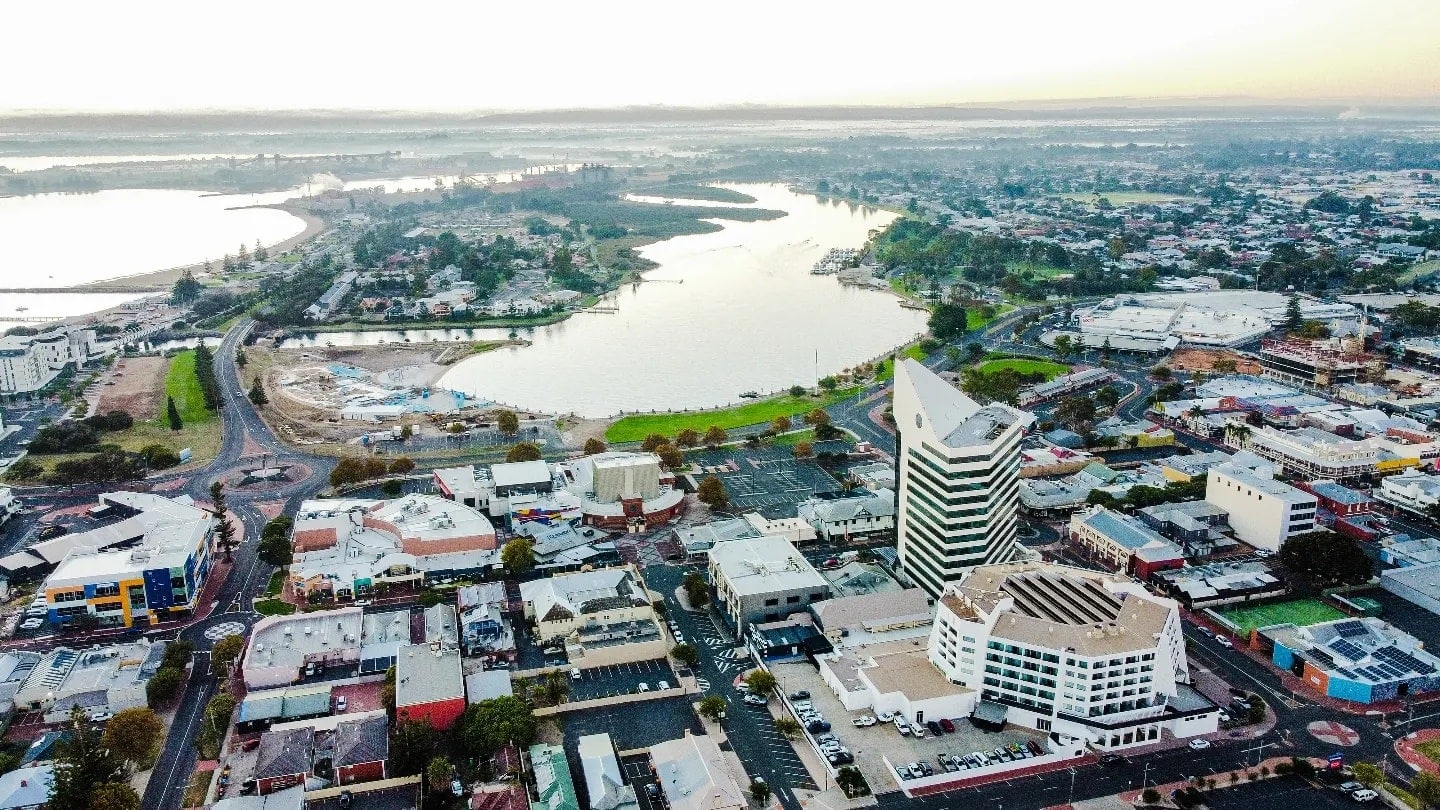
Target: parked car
{"x": 575, "y": 673}
{"x": 32, "y": 624}
{"x": 800, "y": 695}
{"x": 98, "y": 715}
{"x": 643, "y": 687}
{"x": 341, "y": 704}
{"x": 1349, "y": 787}
{"x": 754, "y": 700}
{"x": 1199, "y": 744}
{"x": 934, "y": 727}
{"x": 884, "y": 717}
{"x": 863, "y": 722}
{"x": 1365, "y": 795}
{"x": 1034, "y": 748}
{"x": 1224, "y": 716}
{"x": 926, "y": 769}
{"x": 457, "y": 787}
{"x": 818, "y": 726}
{"x": 53, "y": 530}
{"x": 841, "y": 757}
{"x": 662, "y": 684}
{"x": 903, "y": 728}
{"x": 918, "y": 731}
{"x": 948, "y": 725}
{"x": 1205, "y": 631}
{"x": 1111, "y": 760}
{"x": 902, "y": 771}
{"x": 1003, "y": 755}
{"x": 1263, "y": 553}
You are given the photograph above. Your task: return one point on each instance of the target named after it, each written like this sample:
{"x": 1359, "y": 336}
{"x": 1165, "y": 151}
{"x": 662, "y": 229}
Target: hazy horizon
{"x": 448, "y": 58}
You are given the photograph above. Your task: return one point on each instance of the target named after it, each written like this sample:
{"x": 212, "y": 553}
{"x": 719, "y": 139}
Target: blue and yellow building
{"x": 146, "y": 568}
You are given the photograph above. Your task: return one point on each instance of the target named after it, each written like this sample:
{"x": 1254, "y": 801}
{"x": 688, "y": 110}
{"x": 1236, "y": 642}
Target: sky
{"x": 545, "y": 54}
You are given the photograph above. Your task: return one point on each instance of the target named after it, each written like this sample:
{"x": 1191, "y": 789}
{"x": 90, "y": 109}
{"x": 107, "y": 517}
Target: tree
{"x": 797, "y": 390}
{"x": 817, "y": 417}
{"x": 186, "y": 289}
{"x": 1326, "y": 559}
{"x": 173, "y": 413}
{"x": 653, "y": 441}
{"x": 1367, "y": 774}
{"x": 225, "y": 651}
{"x": 761, "y": 791}
{"x": 1064, "y": 347}
{"x": 132, "y": 734}
{"x": 178, "y": 654}
{"x": 114, "y": 796}
{"x": 685, "y": 654}
{"x": 163, "y": 686}
{"x": 1076, "y": 413}
{"x": 1160, "y": 372}
{"x": 787, "y": 726}
{"x": 1150, "y": 796}
{"x": 275, "y": 546}
{"x": 402, "y": 466}
{"x": 518, "y": 555}
{"x": 82, "y": 763}
{"x": 392, "y": 488}
{"x": 224, "y": 528}
{"x": 26, "y": 469}
{"x": 411, "y": 747}
{"x": 712, "y": 707}
{"x": 697, "y": 591}
{"x": 1293, "y": 318}
{"x": 438, "y": 775}
{"x": 715, "y": 436}
{"x": 670, "y": 456}
{"x": 1223, "y": 365}
{"x": 507, "y": 422}
{"x": 689, "y": 437}
{"x": 524, "y": 451}
{"x": 829, "y": 383}
{"x": 948, "y": 320}
{"x": 240, "y": 359}
{"x": 1425, "y": 786}
{"x": 711, "y": 492}
{"x": 852, "y": 781}
{"x": 780, "y": 424}
{"x": 760, "y": 682}
{"x": 257, "y": 394}
{"x": 804, "y": 450}
{"x": 594, "y": 445}
{"x": 490, "y": 724}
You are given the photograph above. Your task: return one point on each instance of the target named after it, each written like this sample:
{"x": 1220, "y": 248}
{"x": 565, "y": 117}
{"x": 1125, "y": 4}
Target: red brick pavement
{"x": 988, "y": 779}
{"x": 1405, "y": 748}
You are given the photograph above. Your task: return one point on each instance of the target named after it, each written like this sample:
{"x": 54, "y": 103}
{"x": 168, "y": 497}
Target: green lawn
{"x": 975, "y": 320}
{"x": 277, "y": 581}
{"x": 635, "y": 428}
{"x": 183, "y": 386}
{"x": 1024, "y": 366}
{"x": 274, "y": 607}
{"x": 1300, "y": 612}
{"x": 912, "y": 352}
{"x": 1431, "y": 750}
{"x": 1418, "y": 271}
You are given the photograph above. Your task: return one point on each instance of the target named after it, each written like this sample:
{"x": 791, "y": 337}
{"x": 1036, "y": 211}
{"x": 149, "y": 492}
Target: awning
{"x": 987, "y": 712}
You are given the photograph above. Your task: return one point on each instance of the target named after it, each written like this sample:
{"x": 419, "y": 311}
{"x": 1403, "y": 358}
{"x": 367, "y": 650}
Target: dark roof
{"x": 284, "y": 753}
{"x": 500, "y": 797}
{"x": 361, "y": 741}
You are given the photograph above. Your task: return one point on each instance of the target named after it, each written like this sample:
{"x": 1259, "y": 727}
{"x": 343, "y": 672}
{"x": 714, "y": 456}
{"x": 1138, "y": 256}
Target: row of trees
{"x": 205, "y": 374}
{"x": 352, "y": 470}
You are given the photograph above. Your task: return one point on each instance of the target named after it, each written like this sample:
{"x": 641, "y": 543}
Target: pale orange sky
{"x": 481, "y": 54}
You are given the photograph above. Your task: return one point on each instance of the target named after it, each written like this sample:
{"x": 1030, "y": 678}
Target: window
{"x": 790, "y": 600}
{"x": 177, "y": 582}
{"x": 772, "y": 602}
{"x": 137, "y": 597}
{"x": 110, "y": 589}
{"x": 817, "y": 597}
{"x": 69, "y": 596}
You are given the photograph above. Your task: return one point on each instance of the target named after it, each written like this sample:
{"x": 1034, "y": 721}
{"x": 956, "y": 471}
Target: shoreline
{"x": 163, "y": 279}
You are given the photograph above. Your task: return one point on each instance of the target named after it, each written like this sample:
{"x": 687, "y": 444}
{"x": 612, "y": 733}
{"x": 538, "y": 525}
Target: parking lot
{"x": 779, "y": 751}
{"x": 621, "y": 679}
{"x": 766, "y": 480}
{"x": 869, "y": 745}
{"x": 631, "y": 727}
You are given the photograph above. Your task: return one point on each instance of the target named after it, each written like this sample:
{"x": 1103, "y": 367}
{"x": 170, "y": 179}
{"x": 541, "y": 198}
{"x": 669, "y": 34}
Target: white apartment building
{"x": 30, "y": 362}
{"x": 959, "y": 478}
{"x": 1411, "y": 490}
{"x": 1081, "y": 653}
{"x": 1263, "y": 512}
{"x": 763, "y": 579}
{"x": 1310, "y": 452}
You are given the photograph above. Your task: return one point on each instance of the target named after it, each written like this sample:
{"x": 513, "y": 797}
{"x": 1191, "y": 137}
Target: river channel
{"x": 727, "y": 312}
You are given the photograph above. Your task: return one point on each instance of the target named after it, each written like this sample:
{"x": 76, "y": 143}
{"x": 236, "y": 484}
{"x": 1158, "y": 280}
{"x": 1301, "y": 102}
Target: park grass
{"x": 637, "y": 427}
{"x": 196, "y": 787}
{"x": 1024, "y": 366}
{"x": 1299, "y": 612}
{"x": 273, "y": 607}
{"x": 1431, "y": 750}
{"x": 183, "y": 386}
{"x": 975, "y": 320}
{"x": 1417, "y": 271}
{"x": 277, "y": 581}
{"x": 913, "y": 352}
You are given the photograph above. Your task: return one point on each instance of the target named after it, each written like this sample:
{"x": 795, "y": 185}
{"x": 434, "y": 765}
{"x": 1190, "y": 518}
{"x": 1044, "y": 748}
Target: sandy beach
{"x": 162, "y": 280}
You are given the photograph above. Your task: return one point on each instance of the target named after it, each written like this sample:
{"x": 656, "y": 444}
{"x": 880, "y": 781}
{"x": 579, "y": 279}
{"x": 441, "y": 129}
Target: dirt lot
{"x": 139, "y": 383}
{"x": 1204, "y": 360}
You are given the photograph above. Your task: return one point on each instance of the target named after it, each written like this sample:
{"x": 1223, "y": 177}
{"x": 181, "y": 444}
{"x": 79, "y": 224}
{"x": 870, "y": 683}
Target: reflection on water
{"x": 725, "y": 312}
{"x": 305, "y": 340}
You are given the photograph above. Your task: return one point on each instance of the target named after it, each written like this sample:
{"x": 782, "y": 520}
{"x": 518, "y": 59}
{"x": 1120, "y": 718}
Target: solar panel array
{"x": 1351, "y": 629}
{"x": 1401, "y": 660}
{"x": 1347, "y": 649}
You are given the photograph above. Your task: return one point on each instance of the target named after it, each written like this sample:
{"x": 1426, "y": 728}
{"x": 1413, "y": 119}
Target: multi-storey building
{"x": 159, "y": 577}
{"x": 1263, "y": 512}
{"x": 30, "y": 362}
{"x": 1310, "y": 452}
{"x": 1080, "y": 653}
{"x": 959, "y": 478}
{"x": 763, "y": 579}
{"x": 1311, "y": 364}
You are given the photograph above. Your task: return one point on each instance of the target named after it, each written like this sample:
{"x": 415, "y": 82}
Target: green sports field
{"x": 1300, "y": 612}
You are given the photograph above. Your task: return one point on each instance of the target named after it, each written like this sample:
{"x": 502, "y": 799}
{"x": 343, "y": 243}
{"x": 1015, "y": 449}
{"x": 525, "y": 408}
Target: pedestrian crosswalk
{"x": 702, "y": 684}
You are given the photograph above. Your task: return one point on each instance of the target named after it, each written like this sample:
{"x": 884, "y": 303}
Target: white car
{"x": 1263, "y": 553}
{"x": 644, "y": 687}
{"x": 885, "y": 717}
{"x": 99, "y": 715}
{"x": 1224, "y": 642}
{"x": 1365, "y": 795}
{"x": 1198, "y": 744}
{"x": 662, "y": 684}
{"x": 863, "y": 722}
{"x": 31, "y": 624}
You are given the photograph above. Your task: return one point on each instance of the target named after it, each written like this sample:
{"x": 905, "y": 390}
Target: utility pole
{"x": 1071, "y": 800}
{"x": 1145, "y": 777}
{"x": 1259, "y": 749}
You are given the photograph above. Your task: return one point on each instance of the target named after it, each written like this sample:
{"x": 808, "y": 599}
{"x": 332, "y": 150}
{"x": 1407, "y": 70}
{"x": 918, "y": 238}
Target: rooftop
{"x": 520, "y": 473}
{"x": 26, "y": 787}
{"x": 287, "y": 641}
{"x": 693, "y": 776}
{"x": 765, "y": 565}
{"x": 572, "y": 595}
{"x": 1121, "y": 529}
{"x": 168, "y": 531}
{"x": 956, "y": 420}
{"x": 424, "y": 674}
{"x": 1269, "y": 486}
